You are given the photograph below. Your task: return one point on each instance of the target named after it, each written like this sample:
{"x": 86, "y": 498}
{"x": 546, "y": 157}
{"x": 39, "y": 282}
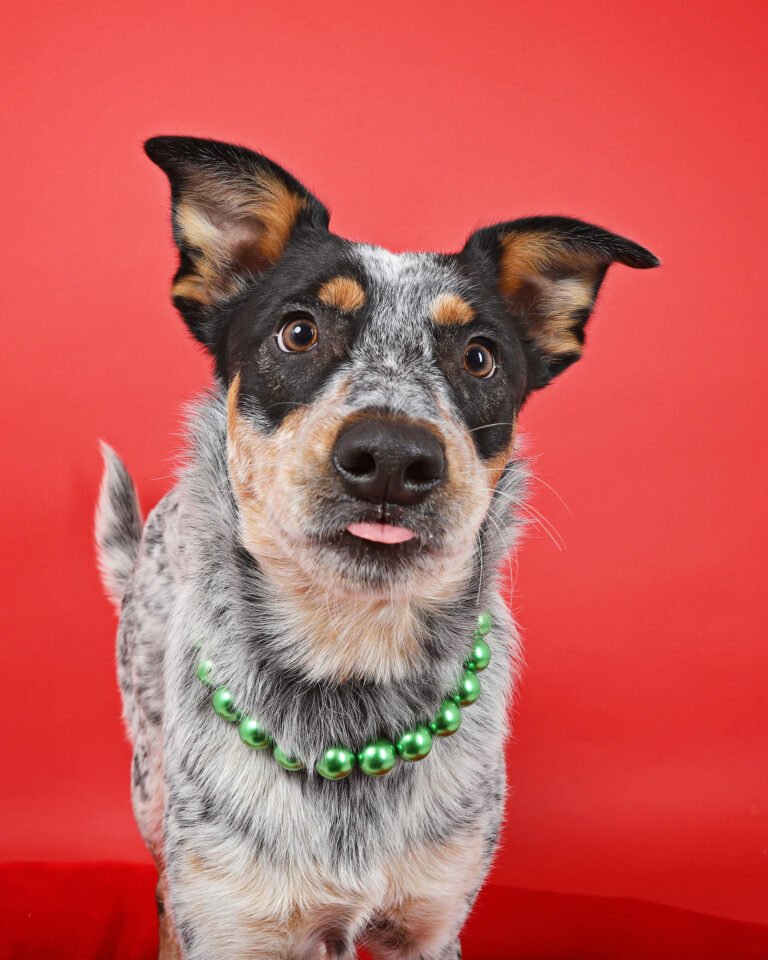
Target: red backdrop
{"x": 638, "y": 761}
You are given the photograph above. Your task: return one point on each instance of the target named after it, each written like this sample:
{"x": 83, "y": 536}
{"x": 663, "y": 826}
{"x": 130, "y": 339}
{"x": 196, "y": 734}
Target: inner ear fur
{"x": 233, "y": 212}
{"x": 548, "y": 270}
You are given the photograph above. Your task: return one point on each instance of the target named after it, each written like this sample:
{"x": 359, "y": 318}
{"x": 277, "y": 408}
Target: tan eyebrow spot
{"x": 449, "y": 309}
{"x": 344, "y": 293}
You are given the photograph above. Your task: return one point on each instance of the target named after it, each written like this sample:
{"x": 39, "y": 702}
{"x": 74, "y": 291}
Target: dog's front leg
{"x": 250, "y": 934}
{"x": 424, "y": 932}
{"x": 425, "y": 926}
{"x": 230, "y": 902}
{"x": 434, "y": 890}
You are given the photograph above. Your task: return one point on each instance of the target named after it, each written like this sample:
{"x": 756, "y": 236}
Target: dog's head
{"x": 372, "y": 397}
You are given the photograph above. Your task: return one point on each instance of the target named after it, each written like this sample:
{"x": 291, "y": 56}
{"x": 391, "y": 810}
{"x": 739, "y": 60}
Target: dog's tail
{"x": 118, "y": 525}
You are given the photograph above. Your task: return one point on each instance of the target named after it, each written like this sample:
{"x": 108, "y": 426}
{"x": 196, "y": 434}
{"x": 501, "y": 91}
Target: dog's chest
{"x": 296, "y": 845}
{"x": 348, "y": 823}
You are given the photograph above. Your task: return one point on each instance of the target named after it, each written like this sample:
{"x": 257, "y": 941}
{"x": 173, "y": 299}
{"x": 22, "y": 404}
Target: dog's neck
{"x": 331, "y": 634}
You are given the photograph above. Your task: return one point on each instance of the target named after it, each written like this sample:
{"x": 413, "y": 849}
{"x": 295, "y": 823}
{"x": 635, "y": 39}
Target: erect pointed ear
{"x": 549, "y": 270}
{"x": 234, "y": 212}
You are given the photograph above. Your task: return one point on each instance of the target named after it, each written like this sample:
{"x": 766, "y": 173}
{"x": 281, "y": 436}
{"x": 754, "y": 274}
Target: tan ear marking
{"x": 551, "y": 285}
{"x": 278, "y": 209}
{"x": 232, "y": 227}
{"x": 523, "y": 255}
{"x": 344, "y": 293}
{"x": 530, "y": 255}
{"x": 449, "y": 309}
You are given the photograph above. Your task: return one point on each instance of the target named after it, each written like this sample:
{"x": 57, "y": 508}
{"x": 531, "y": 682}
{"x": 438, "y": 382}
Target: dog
{"x": 314, "y": 656}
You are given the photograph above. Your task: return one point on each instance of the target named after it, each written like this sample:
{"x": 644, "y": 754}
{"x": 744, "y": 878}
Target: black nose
{"x": 383, "y": 460}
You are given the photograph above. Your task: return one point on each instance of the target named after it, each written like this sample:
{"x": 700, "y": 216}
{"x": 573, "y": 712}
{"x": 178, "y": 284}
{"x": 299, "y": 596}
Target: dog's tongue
{"x": 380, "y": 532}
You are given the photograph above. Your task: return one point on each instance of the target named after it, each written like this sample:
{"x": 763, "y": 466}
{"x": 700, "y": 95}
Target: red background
{"x": 639, "y": 757}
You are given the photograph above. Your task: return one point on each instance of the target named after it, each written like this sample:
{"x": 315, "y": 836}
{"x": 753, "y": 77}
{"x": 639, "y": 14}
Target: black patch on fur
{"x": 488, "y": 406}
{"x": 140, "y": 772}
{"x": 274, "y": 381}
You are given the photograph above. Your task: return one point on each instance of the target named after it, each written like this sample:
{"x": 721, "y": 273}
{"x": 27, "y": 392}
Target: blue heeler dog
{"x": 305, "y": 619}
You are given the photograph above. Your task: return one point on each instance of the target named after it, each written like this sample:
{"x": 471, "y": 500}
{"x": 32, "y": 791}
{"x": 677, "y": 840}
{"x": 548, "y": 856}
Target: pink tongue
{"x": 380, "y": 532}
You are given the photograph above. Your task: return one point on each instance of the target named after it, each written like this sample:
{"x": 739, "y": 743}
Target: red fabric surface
{"x": 638, "y": 761}
{"x": 106, "y": 912}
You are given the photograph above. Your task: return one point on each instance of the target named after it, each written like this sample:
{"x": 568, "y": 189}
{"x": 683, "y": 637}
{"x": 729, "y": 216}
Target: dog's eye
{"x": 479, "y": 359}
{"x": 298, "y": 334}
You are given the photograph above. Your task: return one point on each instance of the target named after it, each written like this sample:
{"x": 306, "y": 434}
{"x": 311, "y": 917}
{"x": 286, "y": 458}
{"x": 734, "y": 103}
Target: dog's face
{"x": 372, "y": 401}
{"x": 372, "y": 397}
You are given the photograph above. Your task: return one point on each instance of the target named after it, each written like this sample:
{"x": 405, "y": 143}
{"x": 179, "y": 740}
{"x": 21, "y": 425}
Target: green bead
{"x": 286, "y": 762}
{"x": 377, "y": 757}
{"x": 252, "y": 734}
{"x": 468, "y": 689}
{"x": 204, "y": 669}
{"x": 447, "y": 719}
{"x": 480, "y": 655}
{"x": 484, "y": 622}
{"x": 414, "y": 744}
{"x": 224, "y": 704}
{"x": 336, "y": 763}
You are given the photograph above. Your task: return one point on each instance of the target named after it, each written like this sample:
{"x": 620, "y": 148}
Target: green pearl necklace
{"x": 378, "y": 756}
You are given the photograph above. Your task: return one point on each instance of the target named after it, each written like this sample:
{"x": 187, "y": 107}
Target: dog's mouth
{"x": 378, "y": 552}
{"x": 378, "y": 538}
{"x": 388, "y": 533}
{"x": 379, "y": 535}
{"x": 371, "y": 547}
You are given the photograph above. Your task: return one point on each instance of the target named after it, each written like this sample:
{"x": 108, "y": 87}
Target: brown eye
{"x": 298, "y": 334}
{"x": 479, "y": 359}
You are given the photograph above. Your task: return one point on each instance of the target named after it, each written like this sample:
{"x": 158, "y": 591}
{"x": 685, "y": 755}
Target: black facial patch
{"x": 278, "y": 382}
{"x": 489, "y": 406}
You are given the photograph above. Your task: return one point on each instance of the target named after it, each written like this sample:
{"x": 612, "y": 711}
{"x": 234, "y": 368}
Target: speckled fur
{"x": 361, "y": 857}
{"x": 254, "y": 861}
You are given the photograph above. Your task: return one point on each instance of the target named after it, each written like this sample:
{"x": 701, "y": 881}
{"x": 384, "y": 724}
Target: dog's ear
{"x": 548, "y": 270}
{"x": 234, "y": 212}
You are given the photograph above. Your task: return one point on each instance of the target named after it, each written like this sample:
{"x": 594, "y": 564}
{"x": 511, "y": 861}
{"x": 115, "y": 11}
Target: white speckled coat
{"x": 356, "y": 391}
{"x": 262, "y": 862}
